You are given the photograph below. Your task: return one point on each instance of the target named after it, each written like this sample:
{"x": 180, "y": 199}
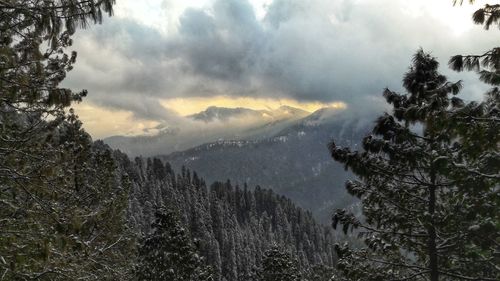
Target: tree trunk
{"x": 431, "y": 230}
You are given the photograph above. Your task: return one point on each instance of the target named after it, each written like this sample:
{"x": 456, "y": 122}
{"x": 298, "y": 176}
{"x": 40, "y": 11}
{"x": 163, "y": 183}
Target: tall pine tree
{"x": 62, "y": 200}
{"x": 422, "y": 209}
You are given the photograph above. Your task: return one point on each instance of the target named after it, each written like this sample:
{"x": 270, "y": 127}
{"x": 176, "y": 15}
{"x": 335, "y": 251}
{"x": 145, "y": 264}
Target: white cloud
{"x": 317, "y": 50}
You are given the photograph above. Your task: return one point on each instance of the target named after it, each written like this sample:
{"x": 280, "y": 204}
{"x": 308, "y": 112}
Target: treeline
{"x": 83, "y": 211}
{"x": 233, "y": 226}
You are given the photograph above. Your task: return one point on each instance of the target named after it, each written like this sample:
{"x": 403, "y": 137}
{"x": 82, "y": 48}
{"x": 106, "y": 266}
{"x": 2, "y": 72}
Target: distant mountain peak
{"x": 216, "y": 113}
{"x": 289, "y": 107}
{"x": 292, "y": 110}
{"x": 222, "y": 123}
{"x": 325, "y": 114}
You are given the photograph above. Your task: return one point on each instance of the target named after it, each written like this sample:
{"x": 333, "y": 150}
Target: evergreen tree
{"x": 322, "y": 273}
{"x": 476, "y": 167}
{"x": 168, "y": 253}
{"x": 487, "y": 64}
{"x": 278, "y": 265}
{"x": 62, "y": 200}
{"x": 34, "y": 61}
{"x": 69, "y": 222}
{"x": 231, "y": 234}
{"x": 422, "y": 206}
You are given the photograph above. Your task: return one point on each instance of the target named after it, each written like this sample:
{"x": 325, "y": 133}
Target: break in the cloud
{"x": 308, "y": 51}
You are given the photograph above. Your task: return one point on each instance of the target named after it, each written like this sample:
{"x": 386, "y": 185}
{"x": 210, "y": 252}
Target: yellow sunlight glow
{"x": 103, "y": 122}
{"x": 187, "y": 106}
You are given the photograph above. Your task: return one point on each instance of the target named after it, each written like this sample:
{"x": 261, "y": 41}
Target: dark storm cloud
{"x": 305, "y": 50}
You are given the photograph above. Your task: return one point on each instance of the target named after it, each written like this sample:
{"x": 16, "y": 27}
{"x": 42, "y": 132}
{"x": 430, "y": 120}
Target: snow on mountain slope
{"x": 210, "y": 125}
{"x": 294, "y": 162}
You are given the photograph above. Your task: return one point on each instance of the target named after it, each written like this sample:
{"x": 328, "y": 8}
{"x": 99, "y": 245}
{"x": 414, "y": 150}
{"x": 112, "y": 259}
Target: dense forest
{"x": 427, "y": 180}
{"x": 233, "y": 226}
{"x": 312, "y": 180}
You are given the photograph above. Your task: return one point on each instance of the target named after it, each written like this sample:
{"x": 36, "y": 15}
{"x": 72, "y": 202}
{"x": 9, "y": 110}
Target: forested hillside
{"x": 233, "y": 225}
{"x": 293, "y": 162}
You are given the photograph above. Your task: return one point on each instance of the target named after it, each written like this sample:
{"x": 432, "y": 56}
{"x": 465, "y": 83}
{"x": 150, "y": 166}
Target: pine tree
{"x": 168, "y": 253}
{"x": 70, "y": 223}
{"x": 420, "y": 210}
{"x": 34, "y": 61}
{"x": 230, "y": 233}
{"x": 323, "y": 273}
{"x": 475, "y": 168}
{"x": 62, "y": 201}
{"x": 278, "y": 265}
{"x": 487, "y": 64}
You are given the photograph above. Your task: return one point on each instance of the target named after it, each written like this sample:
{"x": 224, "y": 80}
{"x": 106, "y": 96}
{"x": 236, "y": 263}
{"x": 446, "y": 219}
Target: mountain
{"x": 294, "y": 162}
{"x": 289, "y": 111}
{"x": 285, "y": 151}
{"x": 214, "y": 113}
{"x": 212, "y": 124}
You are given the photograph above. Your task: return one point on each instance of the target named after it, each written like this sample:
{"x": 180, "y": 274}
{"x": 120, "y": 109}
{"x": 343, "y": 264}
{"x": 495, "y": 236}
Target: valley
{"x": 287, "y": 154}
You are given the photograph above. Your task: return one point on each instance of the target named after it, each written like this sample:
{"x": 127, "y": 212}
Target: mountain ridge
{"x": 210, "y": 125}
{"x": 294, "y": 162}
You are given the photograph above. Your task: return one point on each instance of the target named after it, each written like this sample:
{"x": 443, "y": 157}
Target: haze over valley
{"x": 283, "y": 149}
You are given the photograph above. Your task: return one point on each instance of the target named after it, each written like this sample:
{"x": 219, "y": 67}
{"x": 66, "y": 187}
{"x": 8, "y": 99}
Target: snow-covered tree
{"x": 62, "y": 200}
{"x": 278, "y": 265}
{"x": 34, "y": 60}
{"x": 229, "y": 226}
{"x": 430, "y": 205}
{"x": 168, "y": 254}
{"x": 68, "y": 221}
{"x": 476, "y": 167}
{"x": 322, "y": 273}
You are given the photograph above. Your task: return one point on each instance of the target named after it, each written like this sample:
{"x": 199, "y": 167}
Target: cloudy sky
{"x": 155, "y": 61}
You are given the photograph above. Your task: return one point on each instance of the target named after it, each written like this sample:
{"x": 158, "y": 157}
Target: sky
{"x": 156, "y": 61}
